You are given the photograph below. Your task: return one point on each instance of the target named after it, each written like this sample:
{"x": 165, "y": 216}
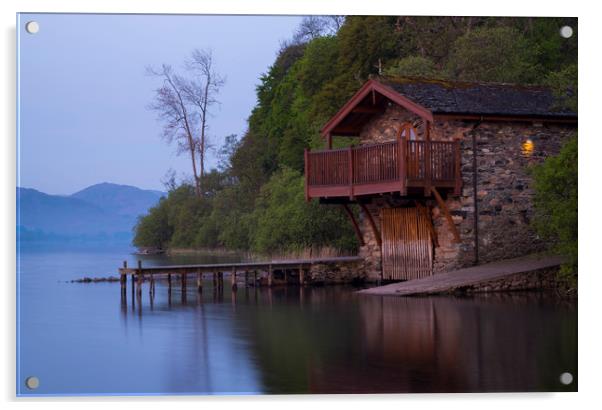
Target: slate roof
{"x": 452, "y": 97}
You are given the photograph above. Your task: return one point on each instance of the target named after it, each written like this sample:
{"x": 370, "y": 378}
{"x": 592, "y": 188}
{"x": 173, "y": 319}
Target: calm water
{"x": 83, "y": 338}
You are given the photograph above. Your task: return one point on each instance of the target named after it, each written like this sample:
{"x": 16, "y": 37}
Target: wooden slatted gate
{"x": 407, "y": 247}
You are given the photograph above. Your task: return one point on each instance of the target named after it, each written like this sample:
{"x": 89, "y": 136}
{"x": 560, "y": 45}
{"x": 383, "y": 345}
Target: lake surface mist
{"x": 85, "y": 339}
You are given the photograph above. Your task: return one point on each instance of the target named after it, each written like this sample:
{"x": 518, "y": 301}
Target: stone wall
{"x": 541, "y": 279}
{"x": 323, "y": 273}
{"x": 504, "y": 188}
{"x": 385, "y": 127}
{"x": 371, "y": 250}
{"x": 336, "y": 273}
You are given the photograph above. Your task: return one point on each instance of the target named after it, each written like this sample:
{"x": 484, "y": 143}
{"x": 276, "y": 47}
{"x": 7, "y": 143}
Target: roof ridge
{"x": 448, "y": 82}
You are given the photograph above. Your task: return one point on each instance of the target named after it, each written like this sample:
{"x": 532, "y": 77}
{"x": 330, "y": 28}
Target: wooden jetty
{"x": 249, "y": 273}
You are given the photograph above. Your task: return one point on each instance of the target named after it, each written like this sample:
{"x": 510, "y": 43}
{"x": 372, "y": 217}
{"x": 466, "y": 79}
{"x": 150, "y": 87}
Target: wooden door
{"x": 407, "y": 247}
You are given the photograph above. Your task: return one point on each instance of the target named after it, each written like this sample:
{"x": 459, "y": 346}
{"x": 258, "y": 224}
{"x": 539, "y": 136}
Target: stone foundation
{"x": 542, "y": 279}
{"x": 336, "y": 273}
{"x": 323, "y": 273}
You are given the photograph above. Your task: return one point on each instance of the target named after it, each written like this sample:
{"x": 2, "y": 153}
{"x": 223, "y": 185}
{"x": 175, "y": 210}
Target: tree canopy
{"x": 256, "y": 199}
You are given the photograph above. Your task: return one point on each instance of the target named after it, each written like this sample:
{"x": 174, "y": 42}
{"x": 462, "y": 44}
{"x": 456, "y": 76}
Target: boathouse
{"x": 439, "y": 171}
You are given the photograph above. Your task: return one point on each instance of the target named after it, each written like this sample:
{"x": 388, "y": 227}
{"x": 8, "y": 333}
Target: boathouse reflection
{"x": 331, "y": 340}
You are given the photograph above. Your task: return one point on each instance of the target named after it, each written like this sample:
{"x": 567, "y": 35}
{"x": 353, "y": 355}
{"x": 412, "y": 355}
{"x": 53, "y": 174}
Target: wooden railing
{"x": 377, "y": 168}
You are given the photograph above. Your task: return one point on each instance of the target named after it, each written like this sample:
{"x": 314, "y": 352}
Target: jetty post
{"x": 151, "y": 288}
{"x": 124, "y": 278}
{"x": 139, "y": 278}
{"x": 133, "y": 284}
{"x": 270, "y": 276}
{"x": 199, "y": 281}
{"x": 183, "y": 282}
{"x": 233, "y": 278}
{"x": 301, "y": 275}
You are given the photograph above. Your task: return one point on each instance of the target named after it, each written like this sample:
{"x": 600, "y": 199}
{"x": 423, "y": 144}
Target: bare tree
{"x": 201, "y": 91}
{"x": 335, "y": 23}
{"x": 316, "y": 26}
{"x": 184, "y": 103}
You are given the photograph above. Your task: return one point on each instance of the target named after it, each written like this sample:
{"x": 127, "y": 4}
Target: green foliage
{"x": 555, "y": 183}
{"x": 282, "y": 220}
{"x": 413, "y": 66}
{"x": 364, "y": 40}
{"x": 499, "y": 54}
{"x": 564, "y": 85}
{"x": 153, "y": 230}
{"x": 254, "y": 201}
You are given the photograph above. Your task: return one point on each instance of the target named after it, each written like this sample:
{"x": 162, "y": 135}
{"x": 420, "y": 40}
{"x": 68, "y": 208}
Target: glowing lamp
{"x": 527, "y": 147}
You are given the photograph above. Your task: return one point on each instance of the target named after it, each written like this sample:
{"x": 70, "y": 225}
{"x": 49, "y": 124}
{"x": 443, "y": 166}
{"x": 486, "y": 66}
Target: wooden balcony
{"x": 392, "y": 167}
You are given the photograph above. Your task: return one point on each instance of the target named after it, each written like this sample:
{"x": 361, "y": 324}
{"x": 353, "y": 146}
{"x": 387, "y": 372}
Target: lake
{"x": 83, "y": 339}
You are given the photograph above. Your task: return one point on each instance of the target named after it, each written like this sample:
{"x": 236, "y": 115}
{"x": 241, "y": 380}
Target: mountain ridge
{"x": 101, "y": 211}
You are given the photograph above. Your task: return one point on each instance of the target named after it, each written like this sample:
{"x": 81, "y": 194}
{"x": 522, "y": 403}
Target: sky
{"x": 83, "y": 93}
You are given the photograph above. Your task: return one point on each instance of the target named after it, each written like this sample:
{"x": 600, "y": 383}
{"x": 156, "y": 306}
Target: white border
{"x": 590, "y": 147}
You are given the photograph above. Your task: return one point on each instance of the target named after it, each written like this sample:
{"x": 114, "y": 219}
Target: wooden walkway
{"x": 451, "y": 281}
{"x": 253, "y": 272}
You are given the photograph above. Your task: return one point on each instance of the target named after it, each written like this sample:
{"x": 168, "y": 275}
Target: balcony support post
{"x": 402, "y": 158}
{"x": 372, "y": 224}
{"x": 448, "y": 217}
{"x": 427, "y": 160}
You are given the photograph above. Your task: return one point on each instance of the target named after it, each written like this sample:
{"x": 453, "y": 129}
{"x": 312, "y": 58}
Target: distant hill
{"x": 122, "y": 200}
{"x": 100, "y": 212}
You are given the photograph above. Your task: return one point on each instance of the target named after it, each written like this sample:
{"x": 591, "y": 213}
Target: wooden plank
{"x": 377, "y": 168}
{"x": 140, "y": 277}
{"x": 366, "y": 110}
{"x": 407, "y": 244}
{"x": 427, "y": 161}
{"x": 183, "y": 282}
{"x": 402, "y": 163}
{"x": 448, "y": 216}
{"x": 427, "y": 215}
{"x": 151, "y": 288}
{"x": 123, "y": 277}
{"x": 233, "y": 278}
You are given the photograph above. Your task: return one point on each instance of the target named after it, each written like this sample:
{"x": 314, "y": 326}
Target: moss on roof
{"x": 478, "y": 98}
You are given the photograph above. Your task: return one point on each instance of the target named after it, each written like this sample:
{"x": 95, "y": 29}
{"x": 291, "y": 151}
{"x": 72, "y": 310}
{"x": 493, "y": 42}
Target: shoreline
{"x": 203, "y": 251}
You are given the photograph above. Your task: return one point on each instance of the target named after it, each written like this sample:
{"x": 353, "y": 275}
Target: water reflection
{"x": 331, "y": 340}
